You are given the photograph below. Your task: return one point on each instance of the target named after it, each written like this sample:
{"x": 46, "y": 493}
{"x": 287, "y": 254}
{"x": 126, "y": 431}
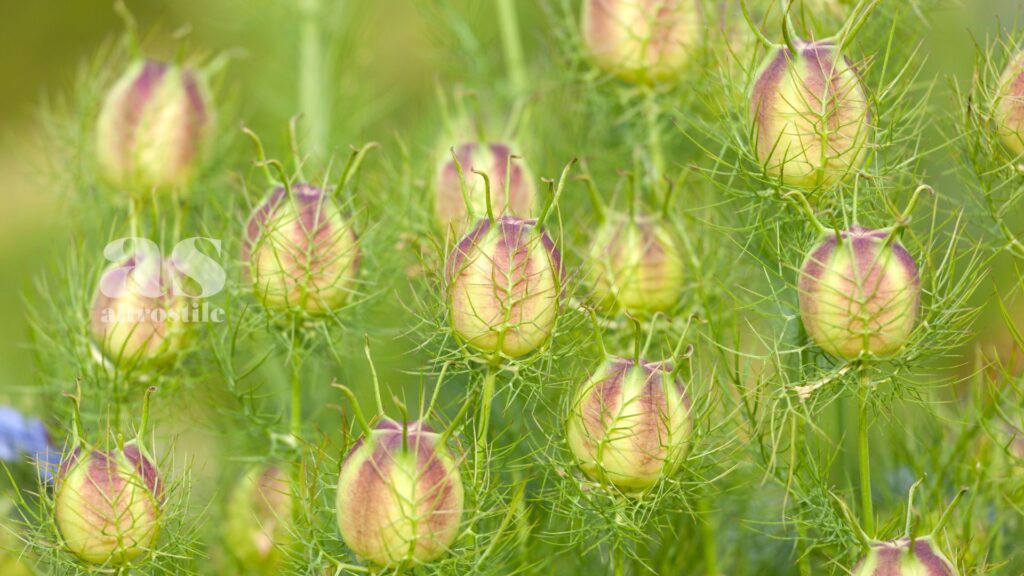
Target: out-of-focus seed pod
{"x": 400, "y": 496}
{"x": 637, "y": 266}
{"x": 1008, "y": 111}
{"x": 302, "y": 252}
{"x": 629, "y": 424}
{"x": 259, "y": 520}
{"x": 810, "y": 115}
{"x": 898, "y": 559}
{"x": 513, "y": 191}
{"x": 107, "y": 504}
{"x": 504, "y": 286}
{"x": 137, "y": 316}
{"x": 859, "y": 295}
{"x": 153, "y": 127}
{"x": 642, "y": 41}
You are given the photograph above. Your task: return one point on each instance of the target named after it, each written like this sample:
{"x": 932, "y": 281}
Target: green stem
{"x": 652, "y": 115}
{"x": 312, "y": 92}
{"x": 296, "y": 388}
{"x": 620, "y": 563}
{"x": 707, "y": 532}
{"x": 486, "y": 400}
{"x": 512, "y": 45}
{"x": 868, "y": 512}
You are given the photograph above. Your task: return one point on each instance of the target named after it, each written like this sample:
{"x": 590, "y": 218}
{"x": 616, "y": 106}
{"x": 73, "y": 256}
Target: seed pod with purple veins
{"x": 153, "y": 127}
{"x": 629, "y": 424}
{"x": 400, "y": 495}
{"x": 107, "y": 504}
{"x": 810, "y": 115}
{"x": 1008, "y": 111}
{"x": 860, "y": 294}
{"x": 637, "y": 266}
{"x": 504, "y": 285}
{"x": 259, "y": 520}
{"x": 642, "y": 41}
{"x": 302, "y": 252}
{"x": 897, "y": 559}
{"x": 513, "y": 195}
{"x": 136, "y": 318}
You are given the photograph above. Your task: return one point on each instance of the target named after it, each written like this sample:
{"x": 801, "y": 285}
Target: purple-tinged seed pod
{"x": 898, "y": 559}
{"x": 512, "y": 196}
{"x": 504, "y": 283}
{"x": 859, "y": 295}
{"x": 400, "y": 496}
{"x": 301, "y": 251}
{"x": 642, "y": 41}
{"x": 810, "y": 115}
{"x": 259, "y": 524}
{"x": 107, "y": 504}
{"x": 153, "y": 127}
{"x": 629, "y": 424}
{"x": 636, "y": 266}
{"x": 137, "y": 313}
{"x": 1009, "y": 105}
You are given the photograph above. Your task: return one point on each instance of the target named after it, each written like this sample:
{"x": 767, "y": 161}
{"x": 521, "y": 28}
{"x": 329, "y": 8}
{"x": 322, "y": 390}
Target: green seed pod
{"x": 504, "y": 286}
{"x": 642, "y": 41}
{"x": 810, "y": 116}
{"x": 860, "y": 295}
{"x": 898, "y": 558}
{"x": 259, "y": 520}
{"x": 400, "y": 496}
{"x": 107, "y": 504}
{"x": 637, "y": 266}
{"x": 629, "y": 424}
{"x": 1008, "y": 111}
{"x": 513, "y": 195}
{"x": 302, "y": 252}
{"x": 153, "y": 127}
{"x": 137, "y": 313}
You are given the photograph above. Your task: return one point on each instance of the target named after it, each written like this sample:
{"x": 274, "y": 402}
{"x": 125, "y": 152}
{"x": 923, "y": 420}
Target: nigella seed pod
{"x": 512, "y": 186}
{"x": 904, "y": 557}
{"x": 637, "y": 266}
{"x": 629, "y": 424}
{"x": 810, "y": 115}
{"x": 859, "y": 293}
{"x": 1009, "y": 106}
{"x": 136, "y": 318}
{"x": 259, "y": 519}
{"x": 107, "y": 504}
{"x": 503, "y": 287}
{"x": 642, "y": 40}
{"x": 302, "y": 252}
{"x": 153, "y": 127}
{"x": 400, "y": 495}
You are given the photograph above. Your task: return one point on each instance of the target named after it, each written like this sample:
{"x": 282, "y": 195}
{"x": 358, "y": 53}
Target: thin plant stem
{"x": 312, "y": 91}
{"x": 512, "y": 45}
{"x": 296, "y": 387}
{"x": 652, "y": 115}
{"x": 619, "y": 561}
{"x": 486, "y": 400}
{"x": 863, "y": 389}
{"x": 707, "y": 532}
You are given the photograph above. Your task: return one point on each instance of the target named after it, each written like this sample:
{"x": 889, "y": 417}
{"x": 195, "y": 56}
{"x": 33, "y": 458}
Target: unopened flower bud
{"x": 137, "y": 312}
{"x": 860, "y": 294}
{"x": 642, "y": 40}
{"x": 511, "y": 183}
{"x": 898, "y": 559}
{"x": 259, "y": 519}
{"x": 637, "y": 266}
{"x": 810, "y": 115}
{"x": 107, "y": 504}
{"x": 629, "y": 424}
{"x": 400, "y": 496}
{"x": 302, "y": 252}
{"x": 504, "y": 286}
{"x": 1009, "y": 105}
{"x": 153, "y": 126}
